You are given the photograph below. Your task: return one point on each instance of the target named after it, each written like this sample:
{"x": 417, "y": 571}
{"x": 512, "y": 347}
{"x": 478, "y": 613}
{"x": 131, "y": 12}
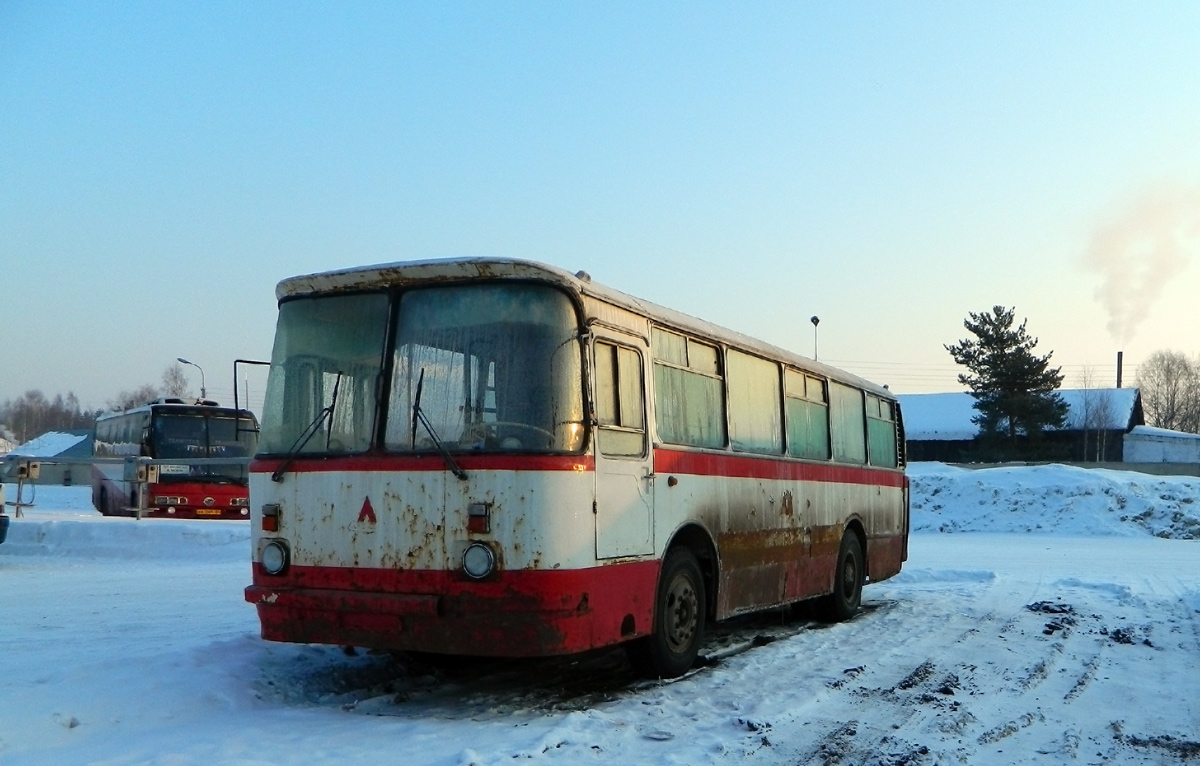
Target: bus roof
{"x": 449, "y": 270}
{"x": 203, "y": 406}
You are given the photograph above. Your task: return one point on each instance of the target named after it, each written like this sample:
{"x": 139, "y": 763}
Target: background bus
{"x": 170, "y": 429}
{"x": 496, "y": 457}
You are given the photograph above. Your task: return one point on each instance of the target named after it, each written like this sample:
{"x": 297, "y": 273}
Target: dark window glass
{"x": 620, "y": 403}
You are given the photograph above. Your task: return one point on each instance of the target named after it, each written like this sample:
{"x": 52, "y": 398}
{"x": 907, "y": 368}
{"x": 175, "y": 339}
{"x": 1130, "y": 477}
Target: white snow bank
{"x": 1053, "y": 498}
{"x": 62, "y": 522}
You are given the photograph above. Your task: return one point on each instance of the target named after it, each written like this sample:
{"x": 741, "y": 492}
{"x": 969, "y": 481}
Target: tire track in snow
{"x": 961, "y": 703}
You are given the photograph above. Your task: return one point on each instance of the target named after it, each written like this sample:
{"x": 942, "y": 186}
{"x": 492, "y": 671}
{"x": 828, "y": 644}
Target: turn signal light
{"x": 479, "y": 517}
{"x": 270, "y": 517}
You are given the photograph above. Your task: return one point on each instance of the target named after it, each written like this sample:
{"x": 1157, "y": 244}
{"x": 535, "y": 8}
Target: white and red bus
{"x": 168, "y": 430}
{"x": 497, "y": 457}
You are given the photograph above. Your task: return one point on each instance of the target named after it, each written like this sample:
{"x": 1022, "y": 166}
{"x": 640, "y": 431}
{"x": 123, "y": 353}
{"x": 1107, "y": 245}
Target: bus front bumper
{"x": 521, "y": 614}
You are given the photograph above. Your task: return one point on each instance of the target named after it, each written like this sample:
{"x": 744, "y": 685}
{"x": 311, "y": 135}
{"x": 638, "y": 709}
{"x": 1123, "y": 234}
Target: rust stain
{"x": 884, "y": 557}
{"x": 764, "y": 568}
{"x": 739, "y": 550}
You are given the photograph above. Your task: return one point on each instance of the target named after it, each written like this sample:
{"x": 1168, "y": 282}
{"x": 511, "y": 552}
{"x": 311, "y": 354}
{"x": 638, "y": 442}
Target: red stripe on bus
{"x": 665, "y": 461}
{"x": 762, "y": 467}
{"x": 402, "y": 463}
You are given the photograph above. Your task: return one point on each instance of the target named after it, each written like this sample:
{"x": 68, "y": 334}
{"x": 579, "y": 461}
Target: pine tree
{"x": 1014, "y": 390}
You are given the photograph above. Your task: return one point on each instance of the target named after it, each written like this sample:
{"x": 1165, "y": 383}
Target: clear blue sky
{"x": 886, "y": 166}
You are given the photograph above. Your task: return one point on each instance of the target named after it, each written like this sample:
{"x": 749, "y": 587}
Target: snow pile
{"x": 119, "y": 538}
{"x": 62, "y": 522}
{"x": 1053, "y": 498}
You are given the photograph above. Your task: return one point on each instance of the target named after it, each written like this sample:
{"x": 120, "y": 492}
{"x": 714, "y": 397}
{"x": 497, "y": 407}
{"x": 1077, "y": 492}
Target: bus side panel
{"x": 885, "y": 556}
{"x": 887, "y": 545}
{"x": 109, "y": 488}
{"x": 777, "y": 525}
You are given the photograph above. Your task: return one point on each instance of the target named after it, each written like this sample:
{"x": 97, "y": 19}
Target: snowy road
{"x": 989, "y": 648}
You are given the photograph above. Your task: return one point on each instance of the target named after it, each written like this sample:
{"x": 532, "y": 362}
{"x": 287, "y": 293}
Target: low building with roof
{"x": 1147, "y": 444}
{"x": 75, "y": 443}
{"x": 939, "y": 427}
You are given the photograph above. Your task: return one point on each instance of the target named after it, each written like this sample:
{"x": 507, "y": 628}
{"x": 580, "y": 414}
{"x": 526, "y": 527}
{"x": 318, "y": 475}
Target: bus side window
{"x": 807, "y": 416}
{"x": 689, "y": 392}
{"x": 849, "y": 426}
{"x": 755, "y": 418}
{"x": 881, "y": 432}
{"x": 620, "y": 401}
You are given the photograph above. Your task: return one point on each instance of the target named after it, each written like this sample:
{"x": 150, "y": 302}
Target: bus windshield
{"x": 324, "y": 373}
{"x": 197, "y": 435}
{"x": 498, "y": 366}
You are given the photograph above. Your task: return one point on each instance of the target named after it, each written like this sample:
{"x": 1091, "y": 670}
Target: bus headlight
{"x": 478, "y": 561}
{"x": 275, "y": 557}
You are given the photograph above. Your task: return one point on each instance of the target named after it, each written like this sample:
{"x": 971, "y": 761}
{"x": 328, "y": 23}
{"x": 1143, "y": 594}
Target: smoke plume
{"x": 1139, "y": 250}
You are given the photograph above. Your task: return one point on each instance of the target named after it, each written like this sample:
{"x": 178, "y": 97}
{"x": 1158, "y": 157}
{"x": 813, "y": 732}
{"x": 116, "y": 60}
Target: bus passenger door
{"x": 624, "y": 500}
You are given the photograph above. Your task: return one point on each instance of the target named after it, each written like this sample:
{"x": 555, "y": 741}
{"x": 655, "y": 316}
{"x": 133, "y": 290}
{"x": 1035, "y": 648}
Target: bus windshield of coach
{"x": 197, "y": 436}
{"x": 325, "y": 367}
{"x": 497, "y": 367}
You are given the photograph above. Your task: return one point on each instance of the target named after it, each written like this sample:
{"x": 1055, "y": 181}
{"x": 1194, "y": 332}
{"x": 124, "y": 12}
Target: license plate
{"x": 208, "y": 511}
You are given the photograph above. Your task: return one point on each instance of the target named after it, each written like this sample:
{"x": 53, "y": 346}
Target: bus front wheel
{"x": 671, "y": 648}
{"x": 843, "y": 603}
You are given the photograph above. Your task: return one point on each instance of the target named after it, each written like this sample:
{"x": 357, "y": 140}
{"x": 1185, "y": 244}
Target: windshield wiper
{"x": 419, "y": 417}
{"x": 309, "y": 431}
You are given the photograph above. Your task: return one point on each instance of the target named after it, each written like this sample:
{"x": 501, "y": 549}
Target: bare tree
{"x": 174, "y": 382}
{"x": 33, "y": 414}
{"x": 137, "y": 397}
{"x": 1103, "y": 420}
{"x": 1095, "y": 416}
{"x": 1170, "y": 386}
{"x": 1081, "y": 416}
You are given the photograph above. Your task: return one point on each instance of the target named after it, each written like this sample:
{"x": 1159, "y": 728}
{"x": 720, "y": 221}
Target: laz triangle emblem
{"x": 367, "y": 514}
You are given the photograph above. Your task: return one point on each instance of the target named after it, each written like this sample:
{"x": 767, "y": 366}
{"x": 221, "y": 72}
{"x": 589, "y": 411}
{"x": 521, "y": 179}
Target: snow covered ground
{"x": 1045, "y": 615}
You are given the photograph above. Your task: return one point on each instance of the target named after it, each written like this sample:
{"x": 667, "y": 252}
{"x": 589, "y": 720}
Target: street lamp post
{"x": 816, "y": 321}
{"x": 203, "y": 391}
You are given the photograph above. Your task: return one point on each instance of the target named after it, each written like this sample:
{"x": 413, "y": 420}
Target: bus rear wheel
{"x": 671, "y": 648}
{"x": 843, "y": 603}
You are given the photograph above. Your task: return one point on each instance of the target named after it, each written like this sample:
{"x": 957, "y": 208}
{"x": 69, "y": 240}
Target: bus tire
{"x": 848, "y": 579}
{"x": 679, "y": 609}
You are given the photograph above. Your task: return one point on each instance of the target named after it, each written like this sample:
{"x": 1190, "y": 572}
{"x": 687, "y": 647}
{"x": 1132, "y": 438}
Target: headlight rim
{"x": 488, "y": 563}
{"x": 268, "y": 565}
